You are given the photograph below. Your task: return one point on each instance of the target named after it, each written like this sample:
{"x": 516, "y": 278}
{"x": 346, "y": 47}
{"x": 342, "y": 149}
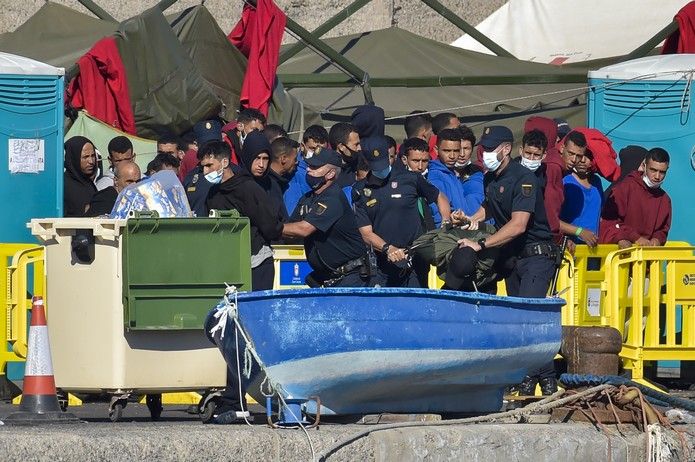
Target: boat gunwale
{"x": 469, "y": 297}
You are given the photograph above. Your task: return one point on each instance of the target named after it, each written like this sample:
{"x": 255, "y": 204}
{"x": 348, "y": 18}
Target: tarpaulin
{"x": 258, "y": 36}
{"x": 683, "y": 40}
{"x": 101, "y": 88}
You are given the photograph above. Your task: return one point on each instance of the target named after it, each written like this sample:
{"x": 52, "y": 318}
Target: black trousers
{"x": 263, "y": 276}
{"x": 530, "y": 277}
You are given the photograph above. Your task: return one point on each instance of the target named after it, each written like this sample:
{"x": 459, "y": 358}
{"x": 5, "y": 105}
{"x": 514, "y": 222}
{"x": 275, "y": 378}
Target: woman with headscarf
{"x": 78, "y": 182}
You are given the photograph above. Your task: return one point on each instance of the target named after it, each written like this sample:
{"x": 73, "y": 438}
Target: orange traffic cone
{"x": 39, "y": 400}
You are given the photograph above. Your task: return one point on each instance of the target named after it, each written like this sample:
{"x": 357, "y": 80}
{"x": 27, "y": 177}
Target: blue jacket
{"x": 474, "y": 192}
{"x": 297, "y": 186}
{"x": 448, "y": 184}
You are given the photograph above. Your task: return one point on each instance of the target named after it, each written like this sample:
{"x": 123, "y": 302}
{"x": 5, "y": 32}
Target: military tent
{"x": 409, "y": 72}
{"x": 56, "y": 35}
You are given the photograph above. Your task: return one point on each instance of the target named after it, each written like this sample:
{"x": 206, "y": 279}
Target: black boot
{"x": 548, "y": 385}
{"x": 528, "y": 386}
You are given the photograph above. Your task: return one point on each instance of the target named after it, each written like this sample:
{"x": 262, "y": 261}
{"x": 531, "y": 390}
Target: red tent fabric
{"x": 258, "y": 36}
{"x": 683, "y": 40}
{"x": 101, "y": 88}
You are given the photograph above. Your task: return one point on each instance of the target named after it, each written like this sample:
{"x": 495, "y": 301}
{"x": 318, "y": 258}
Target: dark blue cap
{"x": 376, "y": 152}
{"x": 207, "y": 130}
{"x": 495, "y": 135}
{"x": 324, "y": 156}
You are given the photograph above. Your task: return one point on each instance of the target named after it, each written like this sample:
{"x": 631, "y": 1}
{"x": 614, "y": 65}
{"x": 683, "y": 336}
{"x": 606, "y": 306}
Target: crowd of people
{"x": 357, "y": 199}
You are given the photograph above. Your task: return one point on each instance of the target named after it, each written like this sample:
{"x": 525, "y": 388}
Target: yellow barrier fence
{"x": 11, "y": 257}
{"x": 650, "y": 297}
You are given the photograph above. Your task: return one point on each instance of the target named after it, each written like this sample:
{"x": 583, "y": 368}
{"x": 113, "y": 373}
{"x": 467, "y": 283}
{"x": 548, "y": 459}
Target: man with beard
{"x": 78, "y": 184}
{"x": 345, "y": 140}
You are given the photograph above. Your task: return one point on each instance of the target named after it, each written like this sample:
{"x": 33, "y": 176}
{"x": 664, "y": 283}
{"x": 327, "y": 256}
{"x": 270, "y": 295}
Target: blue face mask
{"x": 315, "y": 182}
{"x": 214, "y": 177}
{"x": 383, "y": 173}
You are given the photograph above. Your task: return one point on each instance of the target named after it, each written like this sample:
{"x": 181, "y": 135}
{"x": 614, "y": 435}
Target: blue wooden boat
{"x": 395, "y": 350}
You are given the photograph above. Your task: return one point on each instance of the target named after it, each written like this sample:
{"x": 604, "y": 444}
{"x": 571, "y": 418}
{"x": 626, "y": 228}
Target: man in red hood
{"x": 638, "y": 211}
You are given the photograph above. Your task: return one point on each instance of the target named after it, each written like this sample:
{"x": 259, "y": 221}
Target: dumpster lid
{"x": 13, "y": 64}
{"x": 662, "y": 67}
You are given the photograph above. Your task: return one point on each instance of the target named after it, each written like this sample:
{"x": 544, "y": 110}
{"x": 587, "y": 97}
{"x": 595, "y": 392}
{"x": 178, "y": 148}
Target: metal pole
{"x": 467, "y": 28}
{"x": 323, "y": 28}
{"x": 164, "y": 4}
{"x": 98, "y": 11}
{"x": 336, "y": 80}
{"x": 649, "y": 45}
{"x": 343, "y": 63}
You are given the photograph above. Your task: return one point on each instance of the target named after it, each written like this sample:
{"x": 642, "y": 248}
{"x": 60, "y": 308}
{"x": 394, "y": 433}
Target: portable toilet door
{"x": 31, "y": 144}
{"x": 648, "y": 102}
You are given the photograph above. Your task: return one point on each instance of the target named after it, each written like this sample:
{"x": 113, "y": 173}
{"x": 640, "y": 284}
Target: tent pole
{"x": 98, "y": 11}
{"x": 344, "y": 14}
{"x": 164, "y": 4}
{"x": 334, "y": 57}
{"x": 336, "y": 80}
{"x": 467, "y": 28}
{"x": 649, "y": 45}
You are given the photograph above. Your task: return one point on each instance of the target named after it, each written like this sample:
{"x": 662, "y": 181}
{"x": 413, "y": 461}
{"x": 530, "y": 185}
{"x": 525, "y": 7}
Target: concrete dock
{"x": 180, "y": 436}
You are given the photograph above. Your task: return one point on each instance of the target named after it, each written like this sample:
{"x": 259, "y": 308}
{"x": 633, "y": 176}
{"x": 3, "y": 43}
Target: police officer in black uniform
{"x": 324, "y": 219}
{"x": 196, "y": 183}
{"x": 386, "y": 205}
{"x": 513, "y": 197}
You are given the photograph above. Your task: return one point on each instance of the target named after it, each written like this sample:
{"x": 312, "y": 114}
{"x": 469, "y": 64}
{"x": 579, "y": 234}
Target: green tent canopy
{"x": 409, "y": 72}
{"x": 56, "y": 35}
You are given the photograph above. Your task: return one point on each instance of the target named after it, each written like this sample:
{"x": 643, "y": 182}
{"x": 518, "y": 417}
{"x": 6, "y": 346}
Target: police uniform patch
{"x": 526, "y": 189}
{"x": 367, "y": 192}
{"x": 394, "y": 184}
{"x": 371, "y": 203}
{"x": 375, "y": 153}
{"x": 195, "y": 178}
{"x": 320, "y": 208}
{"x": 501, "y": 189}
{"x": 208, "y": 125}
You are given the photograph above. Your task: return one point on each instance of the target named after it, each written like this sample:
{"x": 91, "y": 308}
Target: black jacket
{"x": 102, "y": 202}
{"x": 243, "y": 194}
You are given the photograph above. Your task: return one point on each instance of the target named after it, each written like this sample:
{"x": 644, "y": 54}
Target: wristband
{"x": 578, "y": 231}
{"x": 385, "y": 248}
{"x": 481, "y": 243}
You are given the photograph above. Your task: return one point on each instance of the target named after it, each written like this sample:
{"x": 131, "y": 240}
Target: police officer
{"x": 324, "y": 219}
{"x": 514, "y": 199}
{"x": 196, "y": 182}
{"x": 386, "y": 205}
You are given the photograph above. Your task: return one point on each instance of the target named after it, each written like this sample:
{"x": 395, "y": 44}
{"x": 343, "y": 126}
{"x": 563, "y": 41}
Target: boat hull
{"x": 396, "y": 350}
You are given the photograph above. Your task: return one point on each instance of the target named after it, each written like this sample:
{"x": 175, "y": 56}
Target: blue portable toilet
{"x": 649, "y": 102}
{"x": 31, "y": 144}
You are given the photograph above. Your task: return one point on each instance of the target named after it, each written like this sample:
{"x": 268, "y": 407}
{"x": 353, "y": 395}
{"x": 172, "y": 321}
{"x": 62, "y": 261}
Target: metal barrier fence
{"x": 650, "y": 298}
{"x": 647, "y": 293}
{"x": 24, "y": 277}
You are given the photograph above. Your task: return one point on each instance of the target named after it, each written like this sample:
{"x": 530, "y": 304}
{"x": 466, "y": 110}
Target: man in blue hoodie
{"x": 441, "y": 172}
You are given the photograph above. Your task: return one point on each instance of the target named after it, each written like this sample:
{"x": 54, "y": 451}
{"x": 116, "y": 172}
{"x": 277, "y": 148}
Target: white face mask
{"x": 214, "y": 177}
{"x": 532, "y": 165}
{"x": 490, "y": 161}
{"x": 650, "y": 183}
{"x": 458, "y": 164}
